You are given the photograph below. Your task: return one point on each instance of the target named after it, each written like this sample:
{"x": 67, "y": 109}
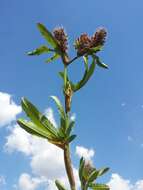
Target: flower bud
{"x": 99, "y": 37}
{"x": 62, "y": 38}
{"x": 82, "y": 44}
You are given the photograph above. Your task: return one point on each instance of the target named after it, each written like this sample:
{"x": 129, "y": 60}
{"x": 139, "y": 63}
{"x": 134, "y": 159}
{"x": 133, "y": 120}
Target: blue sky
{"x": 109, "y": 110}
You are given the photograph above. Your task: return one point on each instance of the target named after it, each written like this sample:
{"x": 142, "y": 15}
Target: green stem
{"x": 68, "y": 166}
{"x": 73, "y": 60}
{"x": 67, "y": 157}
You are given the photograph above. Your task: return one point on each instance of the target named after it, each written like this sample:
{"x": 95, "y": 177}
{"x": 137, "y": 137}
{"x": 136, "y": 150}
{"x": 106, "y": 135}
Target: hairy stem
{"x": 68, "y": 166}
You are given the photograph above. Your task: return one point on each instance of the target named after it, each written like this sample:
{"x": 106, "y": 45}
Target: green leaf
{"x": 59, "y": 185}
{"x": 47, "y": 35}
{"x": 81, "y": 167}
{"x": 37, "y": 118}
{"x": 39, "y": 51}
{"x": 54, "y": 57}
{"x": 69, "y": 129}
{"x": 51, "y": 128}
{"x": 99, "y": 187}
{"x": 85, "y": 62}
{"x": 88, "y": 73}
{"x": 61, "y": 74}
{"x": 60, "y": 107}
{"x": 96, "y": 49}
{"x": 100, "y": 64}
{"x": 92, "y": 176}
{"x": 103, "y": 171}
{"x": 71, "y": 138}
{"x": 33, "y": 129}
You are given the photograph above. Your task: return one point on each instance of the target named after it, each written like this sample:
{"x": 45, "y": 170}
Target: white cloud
{"x": 18, "y": 140}
{"x": 9, "y": 109}
{"x": 139, "y": 185}
{"x": 119, "y": 183}
{"x": 84, "y": 152}
{"x": 26, "y": 182}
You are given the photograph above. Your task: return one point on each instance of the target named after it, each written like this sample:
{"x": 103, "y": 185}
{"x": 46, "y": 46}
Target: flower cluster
{"x": 62, "y": 39}
{"x": 84, "y": 43}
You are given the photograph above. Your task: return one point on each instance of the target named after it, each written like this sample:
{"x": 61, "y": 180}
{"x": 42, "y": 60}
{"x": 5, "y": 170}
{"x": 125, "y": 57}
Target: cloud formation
{"x": 84, "y": 152}
{"x": 119, "y": 183}
{"x": 26, "y": 182}
{"x": 46, "y": 159}
{"x": 9, "y": 109}
{"x": 47, "y": 162}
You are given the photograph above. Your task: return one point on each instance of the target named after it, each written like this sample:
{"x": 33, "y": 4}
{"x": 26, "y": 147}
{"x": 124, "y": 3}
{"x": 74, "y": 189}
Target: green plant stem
{"x": 68, "y": 166}
{"x": 67, "y": 156}
{"x": 73, "y": 60}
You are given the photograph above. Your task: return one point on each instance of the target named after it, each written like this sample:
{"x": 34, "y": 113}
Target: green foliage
{"x": 87, "y": 75}
{"x": 39, "y": 51}
{"x": 59, "y": 106}
{"x": 47, "y": 35}
{"x": 53, "y": 58}
{"x": 59, "y": 185}
{"x": 41, "y": 126}
{"x": 99, "y": 186}
{"x": 99, "y": 63}
{"x": 88, "y": 174}
{"x": 81, "y": 169}
{"x": 61, "y": 136}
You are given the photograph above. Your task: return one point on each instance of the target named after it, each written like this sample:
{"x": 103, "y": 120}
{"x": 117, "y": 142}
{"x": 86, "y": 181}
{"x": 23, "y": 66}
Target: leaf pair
{"x": 89, "y": 70}
{"x": 41, "y": 126}
{"x": 44, "y": 49}
{"x": 66, "y": 125}
{"x": 87, "y": 178}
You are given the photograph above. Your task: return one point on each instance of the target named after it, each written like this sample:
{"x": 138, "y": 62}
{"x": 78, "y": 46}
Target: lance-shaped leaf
{"x": 96, "y": 49}
{"x": 71, "y": 138}
{"x": 37, "y": 118}
{"x": 70, "y": 127}
{"x": 99, "y": 187}
{"x": 54, "y": 57}
{"x": 59, "y": 185}
{"x": 102, "y": 171}
{"x": 39, "y": 51}
{"x": 47, "y": 35}
{"x": 88, "y": 73}
{"x": 100, "y": 63}
{"x": 34, "y": 129}
{"x": 59, "y": 106}
{"x": 92, "y": 176}
{"x": 81, "y": 168}
{"x": 85, "y": 58}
